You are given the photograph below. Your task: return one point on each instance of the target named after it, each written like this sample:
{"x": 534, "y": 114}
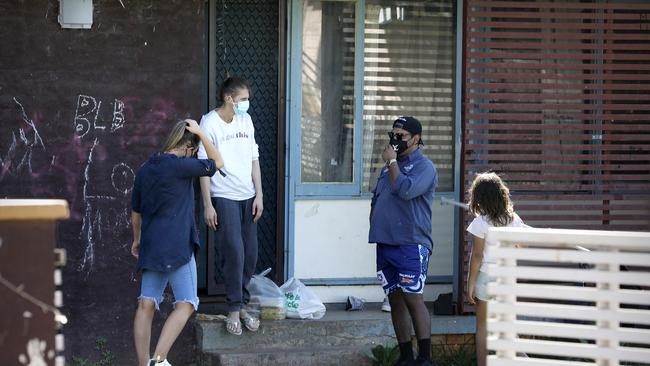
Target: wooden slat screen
{"x": 556, "y": 101}
{"x": 562, "y": 306}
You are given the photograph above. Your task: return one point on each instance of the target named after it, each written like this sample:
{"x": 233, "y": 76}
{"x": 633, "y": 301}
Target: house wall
{"x": 80, "y": 110}
{"x": 331, "y": 243}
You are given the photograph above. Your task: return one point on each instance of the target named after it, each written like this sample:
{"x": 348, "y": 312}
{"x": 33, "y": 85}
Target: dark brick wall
{"x": 80, "y": 110}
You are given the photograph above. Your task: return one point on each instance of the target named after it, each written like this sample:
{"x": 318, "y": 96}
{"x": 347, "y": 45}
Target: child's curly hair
{"x": 489, "y": 196}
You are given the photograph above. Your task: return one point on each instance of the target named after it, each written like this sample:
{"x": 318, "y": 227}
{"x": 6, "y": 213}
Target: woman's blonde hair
{"x": 180, "y": 137}
{"x": 490, "y": 197}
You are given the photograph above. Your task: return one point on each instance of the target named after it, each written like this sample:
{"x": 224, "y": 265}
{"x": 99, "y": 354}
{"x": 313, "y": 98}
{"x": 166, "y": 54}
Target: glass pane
{"x": 409, "y": 54}
{"x": 327, "y": 120}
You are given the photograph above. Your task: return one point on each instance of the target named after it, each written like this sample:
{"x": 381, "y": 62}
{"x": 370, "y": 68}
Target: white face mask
{"x": 242, "y": 107}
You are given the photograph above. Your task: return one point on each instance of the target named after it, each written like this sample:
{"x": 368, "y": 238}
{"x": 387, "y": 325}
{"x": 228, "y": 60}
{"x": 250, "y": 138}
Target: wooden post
{"x": 28, "y": 328}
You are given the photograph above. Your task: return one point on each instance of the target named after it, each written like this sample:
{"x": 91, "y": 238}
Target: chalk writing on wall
{"x": 28, "y": 139}
{"x": 118, "y": 115}
{"x": 106, "y": 209}
{"x": 87, "y": 113}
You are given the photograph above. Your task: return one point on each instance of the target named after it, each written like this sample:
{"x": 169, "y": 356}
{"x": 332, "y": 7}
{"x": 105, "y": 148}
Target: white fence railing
{"x": 569, "y": 297}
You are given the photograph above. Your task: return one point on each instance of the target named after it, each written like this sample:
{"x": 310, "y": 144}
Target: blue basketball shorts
{"x": 402, "y": 267}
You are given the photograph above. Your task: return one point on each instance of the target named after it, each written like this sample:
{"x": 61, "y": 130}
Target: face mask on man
{"x": 397, "y": 142}
{"x": 242, "y": 107}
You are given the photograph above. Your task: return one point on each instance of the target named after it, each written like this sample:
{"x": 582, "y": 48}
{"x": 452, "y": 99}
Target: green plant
{"x": 383, "y": 355}
{"x": 107, "y": 357}
{"x": 456, "y": 355}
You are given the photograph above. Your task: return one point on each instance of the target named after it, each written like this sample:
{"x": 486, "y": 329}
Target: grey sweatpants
{"x": 236, "y": 241}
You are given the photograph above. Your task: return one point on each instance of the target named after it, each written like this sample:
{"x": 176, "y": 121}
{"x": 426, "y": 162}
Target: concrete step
{"x": 338, "y": 328}
{"x": 290, "y": 357}
{"x": 339, "y": 338}
{"x": 344, "y": 330}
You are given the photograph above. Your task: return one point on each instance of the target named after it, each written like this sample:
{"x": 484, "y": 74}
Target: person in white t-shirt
{"x": 489, "y": 201}
{"x": 232, "y": 199}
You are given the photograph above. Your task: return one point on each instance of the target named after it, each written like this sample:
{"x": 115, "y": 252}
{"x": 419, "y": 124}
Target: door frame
{"x": 211, "y": 103}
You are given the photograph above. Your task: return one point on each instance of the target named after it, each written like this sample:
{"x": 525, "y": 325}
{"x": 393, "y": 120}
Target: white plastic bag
{"x": 302, "y": 302}
{"x": 268, "y": 296}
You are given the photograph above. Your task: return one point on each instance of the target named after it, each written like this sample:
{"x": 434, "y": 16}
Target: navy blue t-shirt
{"x": 163, "y": 194}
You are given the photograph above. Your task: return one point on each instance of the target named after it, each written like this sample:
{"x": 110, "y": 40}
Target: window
{"x": 409, "y": 67}
{"x": 362, "y": 64}
{"x": 327, "y": 118}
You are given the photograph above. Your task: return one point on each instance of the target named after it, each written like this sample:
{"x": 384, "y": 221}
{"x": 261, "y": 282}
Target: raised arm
{"x": 210, "y": 150}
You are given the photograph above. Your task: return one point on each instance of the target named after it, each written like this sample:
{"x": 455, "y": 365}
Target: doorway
{"x": 246, "y": 39}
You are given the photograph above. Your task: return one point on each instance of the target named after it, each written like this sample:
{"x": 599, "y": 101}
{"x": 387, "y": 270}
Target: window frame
{"x": 295, "y": 107}
{"x": 353, "y": 190}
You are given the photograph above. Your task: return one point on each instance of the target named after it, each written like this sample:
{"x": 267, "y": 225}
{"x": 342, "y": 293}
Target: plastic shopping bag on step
{"x": 302, "y": 302}
{"x": 266, "y": 295}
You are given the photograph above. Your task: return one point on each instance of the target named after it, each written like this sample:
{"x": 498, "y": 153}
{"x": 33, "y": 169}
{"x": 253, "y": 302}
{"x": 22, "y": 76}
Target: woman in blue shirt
{"x": 165, "y": 236}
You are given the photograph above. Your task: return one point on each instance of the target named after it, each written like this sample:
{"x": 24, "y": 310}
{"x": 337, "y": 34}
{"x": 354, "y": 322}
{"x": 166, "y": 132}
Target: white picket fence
{"x": 569, "y": 297}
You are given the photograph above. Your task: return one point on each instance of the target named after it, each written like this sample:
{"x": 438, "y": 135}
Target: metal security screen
{"x": 556, "y": 101}
{"x": 247, "y": 45}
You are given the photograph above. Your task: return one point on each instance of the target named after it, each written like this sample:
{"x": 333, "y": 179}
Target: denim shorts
{"x": 182, "y": 281}
{"x": 402, "y": 266}
{"x": 480, "y": 291}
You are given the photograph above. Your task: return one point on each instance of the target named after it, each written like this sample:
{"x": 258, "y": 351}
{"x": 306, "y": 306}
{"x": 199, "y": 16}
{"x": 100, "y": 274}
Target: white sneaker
{"x": 153, "y": 362}
{"x": 385, "y": 306}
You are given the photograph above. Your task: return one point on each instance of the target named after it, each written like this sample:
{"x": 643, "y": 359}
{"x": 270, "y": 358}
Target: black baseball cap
{"x": 410, "y": 124}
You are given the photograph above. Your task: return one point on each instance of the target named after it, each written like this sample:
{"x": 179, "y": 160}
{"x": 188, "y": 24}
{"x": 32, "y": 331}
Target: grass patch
{"x": 106, "y": 356}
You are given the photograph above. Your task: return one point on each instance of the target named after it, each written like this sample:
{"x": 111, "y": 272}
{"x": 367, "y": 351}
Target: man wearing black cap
{"x": 400, "y": 224}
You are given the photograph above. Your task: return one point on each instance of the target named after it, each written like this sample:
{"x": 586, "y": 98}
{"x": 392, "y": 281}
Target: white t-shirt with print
{"x": 236, "y": 143}
{"x": 479, "y": 228}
